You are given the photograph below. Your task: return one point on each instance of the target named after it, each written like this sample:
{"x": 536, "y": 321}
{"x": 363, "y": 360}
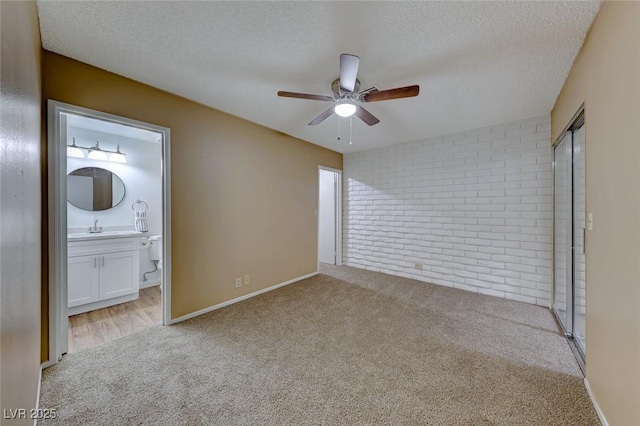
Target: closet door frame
{"x": 566, "y": 323}
{"x": 577, "y": 121}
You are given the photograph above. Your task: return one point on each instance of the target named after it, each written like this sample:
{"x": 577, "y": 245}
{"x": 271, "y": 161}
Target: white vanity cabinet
{"x": 83, "y": 280}
{"x": 101, "y": 273}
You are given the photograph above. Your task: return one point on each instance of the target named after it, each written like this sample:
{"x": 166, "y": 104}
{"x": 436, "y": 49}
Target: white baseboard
{"x": 601, "y": 416}
{"x": 240, "y": 299}
{"x": 35, "y": 418}
{"x": 46, "y": 364}
{"x": 80, "y": 309}
{"x": 149, "y": 283}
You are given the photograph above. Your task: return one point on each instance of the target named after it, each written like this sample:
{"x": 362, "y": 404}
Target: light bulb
{"x": 118, "y": 158}
{"x": 74, "y": 152}
{"x": 97, "y": 155}
{"x": 345, "y": 109}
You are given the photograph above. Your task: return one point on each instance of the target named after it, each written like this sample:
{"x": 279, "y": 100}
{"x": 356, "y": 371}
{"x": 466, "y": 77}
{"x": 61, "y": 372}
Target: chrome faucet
{"x": 95, "y": 229}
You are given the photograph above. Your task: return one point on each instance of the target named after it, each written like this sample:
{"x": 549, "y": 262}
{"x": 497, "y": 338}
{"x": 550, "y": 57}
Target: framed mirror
{"x": 94, "y": 189}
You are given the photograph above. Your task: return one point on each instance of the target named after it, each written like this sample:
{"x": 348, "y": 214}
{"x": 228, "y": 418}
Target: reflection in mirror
{"x": 94, "y": 189}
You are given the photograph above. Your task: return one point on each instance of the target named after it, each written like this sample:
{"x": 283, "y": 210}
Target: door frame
{"x": 57, "y": 218}
{"x": 567, "y": 324}
{"x": 576, "y": 122}
{"x": 338, "y": 213}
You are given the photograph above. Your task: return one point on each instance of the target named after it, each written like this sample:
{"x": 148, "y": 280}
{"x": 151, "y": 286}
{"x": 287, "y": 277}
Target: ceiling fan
{"x": 346, "y": 96}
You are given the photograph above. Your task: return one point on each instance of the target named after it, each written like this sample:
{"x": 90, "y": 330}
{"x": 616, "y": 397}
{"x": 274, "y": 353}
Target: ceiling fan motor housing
{"x": 339, "y": 94}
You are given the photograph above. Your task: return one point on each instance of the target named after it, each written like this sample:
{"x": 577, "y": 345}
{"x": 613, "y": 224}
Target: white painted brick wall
{"x": 473, "y": 208}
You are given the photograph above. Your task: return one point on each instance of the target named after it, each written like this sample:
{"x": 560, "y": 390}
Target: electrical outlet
{"x": 247, "y": 279}
{"x": 238, "y": 282}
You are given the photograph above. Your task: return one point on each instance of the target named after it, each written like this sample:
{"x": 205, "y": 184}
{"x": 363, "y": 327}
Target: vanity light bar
{"x": 96, "y": 153}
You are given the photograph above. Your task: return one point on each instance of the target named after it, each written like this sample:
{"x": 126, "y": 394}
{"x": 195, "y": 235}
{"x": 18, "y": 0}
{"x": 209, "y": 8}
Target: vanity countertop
{"x": 86, "y": 236}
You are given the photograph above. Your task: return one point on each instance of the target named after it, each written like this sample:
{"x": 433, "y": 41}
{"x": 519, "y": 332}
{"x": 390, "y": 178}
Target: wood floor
{"x": 104, "y": 325}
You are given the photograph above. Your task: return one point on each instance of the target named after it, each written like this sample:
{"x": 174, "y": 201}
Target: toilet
{"x": 155, "y": 253}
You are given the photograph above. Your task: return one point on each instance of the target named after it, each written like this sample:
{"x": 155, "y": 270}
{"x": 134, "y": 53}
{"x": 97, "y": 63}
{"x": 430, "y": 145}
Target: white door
{"x": 327, "y": 217}
{"x": 83, "y": 278}
{"x": 562, "y": 232}
{"x": 569, "y": 223}
{"x": 579, "y": 234}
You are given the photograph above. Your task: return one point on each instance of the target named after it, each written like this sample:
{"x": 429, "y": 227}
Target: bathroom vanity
{"x": 102, "y": 269}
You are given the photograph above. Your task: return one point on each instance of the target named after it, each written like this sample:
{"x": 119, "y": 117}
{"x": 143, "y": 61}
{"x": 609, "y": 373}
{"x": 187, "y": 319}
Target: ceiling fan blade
{"x": 384, "y": 95}
{"x": 348, "y": 72}
{"x": 319, "y": 119}
{"x": 304, "y": 96}
{"x": 366, "y": 116}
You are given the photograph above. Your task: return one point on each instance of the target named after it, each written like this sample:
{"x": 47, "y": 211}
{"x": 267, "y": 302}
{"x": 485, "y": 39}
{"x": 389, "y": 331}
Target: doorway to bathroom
{"x": 109, "y": 234}
{"x": 329, "y": 216}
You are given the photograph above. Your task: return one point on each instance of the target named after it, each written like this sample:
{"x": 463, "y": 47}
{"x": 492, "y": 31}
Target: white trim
{"x": 241, "y": 298}
{"x": 149, "y": 284}
{"x": 329, "y": 169}
{"x": 100, "y": 304}
{"x": 57, "y": 196}
{"x": 35, "y": 418}
{"x": 165, "y": 272}
{"x": 599, "y": 412}
{"x": 57, "y": 246}
{"x": 339, "y": 217}
{"x": 47, "y": 364}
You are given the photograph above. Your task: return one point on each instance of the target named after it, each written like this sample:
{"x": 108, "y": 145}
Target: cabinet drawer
{"x": 83, "y": 248}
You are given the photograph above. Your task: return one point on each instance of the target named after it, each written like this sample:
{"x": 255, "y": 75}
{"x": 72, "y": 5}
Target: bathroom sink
{"x": 102, "y": 235}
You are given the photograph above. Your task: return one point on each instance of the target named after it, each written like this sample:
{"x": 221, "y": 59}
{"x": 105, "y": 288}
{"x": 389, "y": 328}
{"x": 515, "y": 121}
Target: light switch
{"x": 590, "y": 221}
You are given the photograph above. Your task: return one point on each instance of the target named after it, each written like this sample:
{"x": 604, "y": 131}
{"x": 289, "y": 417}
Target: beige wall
{"x": 243, "y": 196}
{"x": 606, "y": 77}
{"x": 19, "y": 208}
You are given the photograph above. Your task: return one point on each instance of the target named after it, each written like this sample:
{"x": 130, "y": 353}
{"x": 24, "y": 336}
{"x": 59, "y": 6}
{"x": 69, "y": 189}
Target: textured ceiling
{"x": 477, "y": 63}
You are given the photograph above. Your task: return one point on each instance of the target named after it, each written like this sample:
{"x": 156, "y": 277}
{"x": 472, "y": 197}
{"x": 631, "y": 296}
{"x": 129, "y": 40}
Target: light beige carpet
{"x": 345, "y": 347}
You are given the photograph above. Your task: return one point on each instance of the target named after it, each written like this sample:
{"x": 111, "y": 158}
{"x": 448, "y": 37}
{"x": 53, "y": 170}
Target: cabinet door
{"x": 83, "y": 280}
{"x": 118, "y": 274}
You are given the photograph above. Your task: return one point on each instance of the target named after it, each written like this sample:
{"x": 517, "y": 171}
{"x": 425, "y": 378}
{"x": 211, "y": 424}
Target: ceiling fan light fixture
{"x": 345, "y": 109}
{"x": 346, "y": 96}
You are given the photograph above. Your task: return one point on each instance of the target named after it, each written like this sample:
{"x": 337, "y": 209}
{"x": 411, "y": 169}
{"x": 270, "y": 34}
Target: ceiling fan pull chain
{"x": 339, "y": 128}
